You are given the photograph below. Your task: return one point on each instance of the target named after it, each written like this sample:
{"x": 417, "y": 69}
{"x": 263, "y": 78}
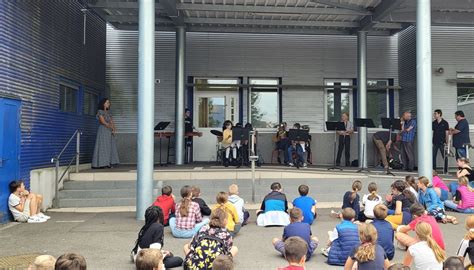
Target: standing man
{"x": 188, "y": 128}
{"x": 460, "y": 134}
{"x": 345, "y": 140}
{"x": 408, "y": 140}
{"x": 440, "y": 135}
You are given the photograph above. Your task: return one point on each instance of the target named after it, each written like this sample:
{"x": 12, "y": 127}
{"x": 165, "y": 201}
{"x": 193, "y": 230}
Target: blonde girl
{"x": 425, "y": 254}
{"x": 466, "y": 247}
{"x": 368, "y": 255}
{"x": 463, "y": 200}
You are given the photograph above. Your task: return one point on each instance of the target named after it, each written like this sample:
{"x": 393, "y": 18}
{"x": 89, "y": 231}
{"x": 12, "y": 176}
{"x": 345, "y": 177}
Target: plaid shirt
{"x": 194, "y": 216}
{"x": 410, "y": 135}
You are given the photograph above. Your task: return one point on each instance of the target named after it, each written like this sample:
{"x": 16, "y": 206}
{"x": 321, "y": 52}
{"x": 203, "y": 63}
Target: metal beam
{"x": 271, "y": 22}
{"x": 437, "y": 18}
{"x": 117, "y": 4}
{"x": 270, "y": 9}
{"x": 381, "y": 10}
{"x": 133, "y": 19}
{"x": 134, "y": 27}
{"x": 261, "y": 30}
{"x": 339, "y": 4}
{"x": 170, "y": 9}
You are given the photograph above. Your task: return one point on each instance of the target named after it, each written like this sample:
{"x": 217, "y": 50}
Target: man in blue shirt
{"x": 408, "y": 139}
{"x": 460, "y": 134}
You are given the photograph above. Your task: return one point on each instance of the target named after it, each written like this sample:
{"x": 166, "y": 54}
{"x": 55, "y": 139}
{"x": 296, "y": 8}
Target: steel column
{"x": 362, "y": 92}
{"x": 146, "y": 103}
{"x": 423, "y": 87}
{"x": 180, "y": 85}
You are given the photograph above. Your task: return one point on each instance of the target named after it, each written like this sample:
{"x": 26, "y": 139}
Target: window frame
{"x": 463, "y": 77}
{"x": 269, "y": 89}
{"x": 77, "y": 89}
{"x": 89, "y": 91}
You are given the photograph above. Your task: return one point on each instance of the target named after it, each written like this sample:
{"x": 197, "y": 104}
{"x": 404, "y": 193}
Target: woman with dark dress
{"x": 105, "y": 151}
{"x": 151, "y": 236}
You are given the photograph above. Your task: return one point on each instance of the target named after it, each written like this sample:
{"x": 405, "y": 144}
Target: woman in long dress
{"x": 105, "y": 151}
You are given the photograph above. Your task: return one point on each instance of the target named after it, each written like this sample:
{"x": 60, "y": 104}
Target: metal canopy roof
{"x": 311, "y": 17}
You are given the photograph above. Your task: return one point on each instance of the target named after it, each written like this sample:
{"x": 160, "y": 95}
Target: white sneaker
{"x": 305, "y": 165}
{"x": 41, "y": 215}
{"x": 291, "y": 164}
{"x": 325, "y": 251}
{"x": 36, "y": 219}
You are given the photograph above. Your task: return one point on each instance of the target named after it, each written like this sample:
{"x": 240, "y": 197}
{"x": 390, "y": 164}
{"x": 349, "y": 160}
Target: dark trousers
{"x": 408, "y": 156}
{"x": 436, "y": 148}
{"x": 344, "y": 144}
{"x": 172, "y": 262}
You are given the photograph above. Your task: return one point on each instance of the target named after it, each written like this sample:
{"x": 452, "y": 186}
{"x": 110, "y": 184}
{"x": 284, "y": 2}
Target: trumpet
{"x": 448, "y": 147}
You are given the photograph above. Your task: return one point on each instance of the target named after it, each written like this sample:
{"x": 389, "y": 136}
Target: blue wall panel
{"x": 41, "y": 44}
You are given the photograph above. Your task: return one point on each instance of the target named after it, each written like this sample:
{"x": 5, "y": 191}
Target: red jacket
{"x": 166, "y": 203}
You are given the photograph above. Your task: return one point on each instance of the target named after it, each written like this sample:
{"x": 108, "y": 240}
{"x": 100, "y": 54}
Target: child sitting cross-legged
{"x": 425, "y": 253}
{"x": 351, "y": 199}
{"x": 463, "y": 200}
{"x": 297, "y": 228}
{"x": 370, "y": 201}
{"x": 306, "y": 204}
{"x": 434, "y": 205}
{"x": 273, "y": 211}
{"x": 166, "y": 203}
{"x": 384, "y": 230}
{"x": 369, "y": 255}
{"x": 233, "y": 225}
{"x": 238, "y": 203}
{"x": 204, "y": 208}
{"x": 342, "y": 239}
{"x": 295, "y": 253}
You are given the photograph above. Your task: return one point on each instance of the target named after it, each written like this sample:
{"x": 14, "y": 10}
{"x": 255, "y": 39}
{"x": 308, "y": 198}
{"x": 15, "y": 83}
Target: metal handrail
{"x": 56, "y": 160}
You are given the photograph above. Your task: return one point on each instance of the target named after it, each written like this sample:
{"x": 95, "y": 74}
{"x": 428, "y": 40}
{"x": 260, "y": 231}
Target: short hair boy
{"x": 342, "y": 239}
{"x": 70, "y": 261}
{"x": 274, "y": 207}
{"x": 149, "y": 259}
{"x": 25, "y": 206}
{"x": 223, "y": 262}
{"x": 295, "y": 253}
{"x": 306, "y": 204}
{"x": 205, "y": 209}
{"x": 167, "y": 203}
{"x": 238, "y": 203}
{"x": 384, "y": 230}
{"x": 297, "y": 228}
{"x": 43, "y": 262}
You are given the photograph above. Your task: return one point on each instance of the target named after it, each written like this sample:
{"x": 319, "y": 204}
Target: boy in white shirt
{"x": 25, "y": 206}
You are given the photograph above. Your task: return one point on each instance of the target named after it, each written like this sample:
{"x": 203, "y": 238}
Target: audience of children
{"x": 274, "y": 207}
{"x": 24, "y": 205}
{"x": 196, "y": 197}
{"x": 297, "y": 228}
{"x": 440, "y": 187}
{"x": 306, "y": 204}
{"x": 463, "y": 200}
{"x": 295, "y": 253}
{"x": 167, "y": 203}
{"x": 70, "y": 261}
{"x": 466, "y": 247}
{"x": 342, "y": 239}
{"x": 425, "y": 253}
{"x": 43, "y": 262}
{"x": 238, "y": 204}
{"x": 212, "y": 240}
{"x": 399, "y": 203}
{"x": 188, "y": 220}
{"x": 233, "y": 225}
{"x": 384, "y": 230}
{"x": 351, "y": 199}
{"x": 149, "y": 259}
{"x": 369, "y": 201}
{"x": 369, "y": 255}
{"x": 428, "y": 197}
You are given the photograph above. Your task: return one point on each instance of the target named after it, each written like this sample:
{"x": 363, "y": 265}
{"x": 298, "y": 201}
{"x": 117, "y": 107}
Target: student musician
{"x": 345, "y": 140}
{"x": 228, "y": 143}
{"x": 298, "y": 147}
{"x": 246, "y": 145}
{"x": 281, "y": 141}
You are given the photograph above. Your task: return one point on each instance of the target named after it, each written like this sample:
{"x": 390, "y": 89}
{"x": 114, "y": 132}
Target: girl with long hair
{"x": 464, "y": 169}
{"x": 466, "y": 247}
{"x": 105, "y": 150}
{"x": 368, "y": 255}
{"x": 399, "y": 203}
{"x": 433, "y": 204}
{"x": 188, "y": 220}
{"x": 370, "y": 201}
{"x": 151, "y": 236}
{"x": 425, "y": 254}
{"x": 463, "y": 200}
{"x": 412, "y": 186}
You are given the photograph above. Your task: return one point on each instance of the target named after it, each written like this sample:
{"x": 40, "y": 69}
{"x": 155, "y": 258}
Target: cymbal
{"x": 217, "y": 132}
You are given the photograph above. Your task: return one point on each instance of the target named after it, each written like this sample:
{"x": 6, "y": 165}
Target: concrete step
{"x": 97, "y": 193}
{"x": 96, "y": 202}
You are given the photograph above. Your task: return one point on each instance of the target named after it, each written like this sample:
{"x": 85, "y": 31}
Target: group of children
{"x": 68, "y": 261}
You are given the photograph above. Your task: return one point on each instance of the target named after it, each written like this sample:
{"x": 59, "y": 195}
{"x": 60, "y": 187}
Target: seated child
{"x": 435, "y": 207}
{"x": 297, "y": 228}
{"x": 463, "y": 200}
{"x": 342, "y": 239}
{"x": 398, "y": 204}
{"x": 211, "y": 241}
{"x": 24, "y": 205}
{"x": 43, "y": 262}
{"x": 233, "y": 225}
{"x": 149, "y": 259}
{"x": 188, "y": 220}
{"x": 466, "y": 247}
{"x": 228, "y": 143}
{"x": 351, "y": 199}
{"x": 306, "y": 204}
{"x": 412, "y": 186}
{"x": 370, "y": 201}
{"x": 223, "y": 262}
{"x": 419, "y": 215}
{"x": 368, "y": 255}
{"x": 295, "y": 253}
{"x": 204, "y": 208}
{"x": 273, "y": 211}
{"x": 425, "y": 253}
{"x": 440, "y": 187}
{"x": 166, "y": 203}
{"x": 384, "y": 230}
{"x": 70, "y": 261}
{"x": 398, "y": 266}
{"x": 238, "y": 204}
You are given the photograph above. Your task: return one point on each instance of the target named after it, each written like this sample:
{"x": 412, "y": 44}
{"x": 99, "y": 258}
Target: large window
{"x": 91, "y": 101}
{"x": 68, "y": 98}
{"x": 338, "y": 98}
{"x": 264, "y": 102}
{"x": 377, "y": 101}
{"x": 465, "y": 89}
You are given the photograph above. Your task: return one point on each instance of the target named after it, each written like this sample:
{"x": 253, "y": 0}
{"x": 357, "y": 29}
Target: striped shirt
{"x": 466, "y": 247}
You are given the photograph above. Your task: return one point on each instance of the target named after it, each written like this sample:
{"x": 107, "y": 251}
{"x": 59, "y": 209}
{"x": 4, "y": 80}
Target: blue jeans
{"x": 299, "y": 152}
{"x": 454, "y": 186}
{"x": 178, "y": 233}
{"x": 453, "y": 206}
{"x": 460, "y": 152}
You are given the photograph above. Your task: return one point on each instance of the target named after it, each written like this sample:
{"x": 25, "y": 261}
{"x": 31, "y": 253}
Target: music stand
{"x": 298, "y": 135}
{"x": 336, "y": 126}
{"x": 367, "y": 123}
{"x": 240, "y": 134}
{"x": 160, "y": 127}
